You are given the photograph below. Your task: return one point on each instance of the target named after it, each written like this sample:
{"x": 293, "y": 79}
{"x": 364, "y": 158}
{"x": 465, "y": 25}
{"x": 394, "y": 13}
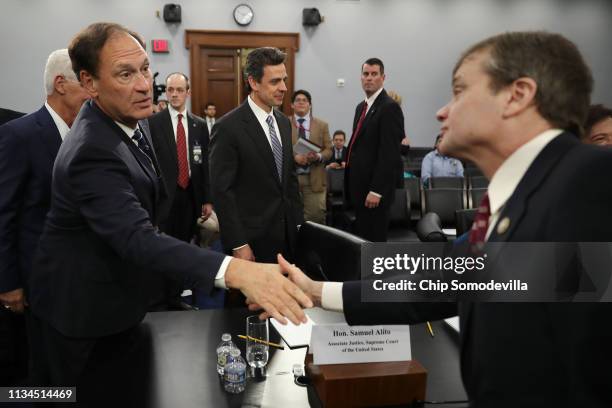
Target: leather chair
{"x": 464, "y": 220}
{"x": 400, "y": 223}
{"x": 413, "y": 186}
{"x": 479, "y": 182}
{"x": 429, "y": 229}
{"x": 446, "y": 182}
{"x": 444, "y": 202}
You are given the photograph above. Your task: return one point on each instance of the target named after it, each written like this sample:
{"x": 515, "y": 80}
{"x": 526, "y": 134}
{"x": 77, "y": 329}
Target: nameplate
{"x": 342, "y": 344}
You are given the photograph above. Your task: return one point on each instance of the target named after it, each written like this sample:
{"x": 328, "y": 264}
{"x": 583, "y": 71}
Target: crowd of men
{"x": 90, "y": 244}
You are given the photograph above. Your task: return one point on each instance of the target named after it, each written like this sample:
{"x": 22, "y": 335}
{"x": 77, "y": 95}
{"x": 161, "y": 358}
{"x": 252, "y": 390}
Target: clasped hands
{"x": 304, "y": 159}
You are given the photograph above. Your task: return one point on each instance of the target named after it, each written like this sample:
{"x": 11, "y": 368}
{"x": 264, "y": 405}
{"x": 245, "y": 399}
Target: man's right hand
{"x": 301, "y": 159}
{"x": 333, "y": 165}
{"x": 264, "y": 285}
{"x": 14, "y": 299}
{"x": 244, "y": 252}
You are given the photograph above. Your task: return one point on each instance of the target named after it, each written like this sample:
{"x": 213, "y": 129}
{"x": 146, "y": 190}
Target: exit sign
{"x": 160, "y": 45}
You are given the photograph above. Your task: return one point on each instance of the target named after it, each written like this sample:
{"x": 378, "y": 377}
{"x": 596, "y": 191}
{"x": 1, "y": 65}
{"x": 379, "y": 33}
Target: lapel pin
{"x": 503, "y": 225}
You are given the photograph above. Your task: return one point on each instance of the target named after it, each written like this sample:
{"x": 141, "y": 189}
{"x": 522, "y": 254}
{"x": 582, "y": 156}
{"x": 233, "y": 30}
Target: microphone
{"x": 313, "y": 259}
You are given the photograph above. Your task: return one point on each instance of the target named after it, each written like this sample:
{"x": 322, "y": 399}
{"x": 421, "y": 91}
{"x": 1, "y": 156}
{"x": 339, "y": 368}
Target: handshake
{"x": 278, "y": 290}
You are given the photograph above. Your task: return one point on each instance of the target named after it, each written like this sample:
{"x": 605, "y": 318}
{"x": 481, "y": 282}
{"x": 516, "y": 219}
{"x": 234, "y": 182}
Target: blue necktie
{"x": 301, "y": 130}
{"x": 142, "y": 144}
{"x": 277, "y": 149}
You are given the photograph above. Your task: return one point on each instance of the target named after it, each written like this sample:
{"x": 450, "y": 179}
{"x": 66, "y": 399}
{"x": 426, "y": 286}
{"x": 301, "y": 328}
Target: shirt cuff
{"x": 220, "y": 278}
{"x": 376, "y": 194}
{"x": 331, "y": 296}
{"x": 320, "y": 156}
{"x": 240, "y": 247}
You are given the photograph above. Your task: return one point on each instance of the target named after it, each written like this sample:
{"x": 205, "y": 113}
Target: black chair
{"x": 335, "y": 196}
{"x": 444, "y": 202}
{"x": 400, "y": 223}
{"x": 429, "y": 229}
{"x": 472, "y": 171}
{"x": 326, "y": 253}
{"x": 476, "y": 195}
{"x": 446, "y": 182}
{"x": 413, "y": 186}
{"x": 464, "y": 220}
{"x": 479, "y": 182}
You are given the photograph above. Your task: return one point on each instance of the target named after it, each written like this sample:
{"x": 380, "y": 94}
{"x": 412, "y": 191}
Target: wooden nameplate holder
{"x": 367, "y": 384}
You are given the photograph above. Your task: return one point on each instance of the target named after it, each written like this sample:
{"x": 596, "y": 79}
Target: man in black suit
{"x": 6, "y": 115}
{"x": 339, "y": 151}
{"x": 373, "y": 151}
{"x": 100, "y": 247}
{"x": 28, "y": 147}
{"x": 180, "y": 140}
{"x": 519, "y": 102}
{"x": 253, "y": 176}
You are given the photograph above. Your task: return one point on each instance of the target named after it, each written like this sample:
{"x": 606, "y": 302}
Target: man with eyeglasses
{"x": 180, "y": 140}
{"x": 598, "y": 126}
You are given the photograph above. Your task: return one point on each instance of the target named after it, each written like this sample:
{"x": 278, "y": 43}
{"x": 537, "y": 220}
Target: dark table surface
{"x": 182, "y": 367}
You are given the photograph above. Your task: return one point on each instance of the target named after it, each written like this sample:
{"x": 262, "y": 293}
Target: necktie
{"x": 478, "y": 233}
{"x": 301, "y": 130}
{"x": 356, "y": 132}
{"x": 181, "y": 154}
{"x": 142, "y": 144}
{"x": 210, "y": 124}
{"x": 277, "y": 149}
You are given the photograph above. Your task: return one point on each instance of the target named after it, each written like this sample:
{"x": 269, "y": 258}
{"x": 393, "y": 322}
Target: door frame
{"x": 195, "y": 40}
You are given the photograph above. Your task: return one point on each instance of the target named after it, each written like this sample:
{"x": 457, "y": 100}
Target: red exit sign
{"x": 160, "y": 45}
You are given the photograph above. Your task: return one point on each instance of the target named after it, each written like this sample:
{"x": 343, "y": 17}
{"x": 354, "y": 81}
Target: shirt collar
{"x": 62, "y": 127}
{"x": 174, "y": 113}
{"x": 305, "y": 117}
{"x": 509, "y": 174}
{"x": 371, "y": 99}
{"x": 128, "y": 130}
{"x": 261, "y": 114}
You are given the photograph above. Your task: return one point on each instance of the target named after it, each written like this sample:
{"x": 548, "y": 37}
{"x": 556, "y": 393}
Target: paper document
{"x": 449, "y": 231}
{"x": 294, "y": 336}
{"x": 303, "y": 146}
{"x": 453, "y": 322}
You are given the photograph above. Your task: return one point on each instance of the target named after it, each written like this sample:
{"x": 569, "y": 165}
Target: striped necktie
{"x": 277, "y": 149}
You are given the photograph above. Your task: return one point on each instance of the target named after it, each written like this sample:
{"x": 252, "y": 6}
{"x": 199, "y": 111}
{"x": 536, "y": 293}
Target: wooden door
{"x": 216, "y": 68}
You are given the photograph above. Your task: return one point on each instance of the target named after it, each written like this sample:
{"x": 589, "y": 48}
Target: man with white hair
{"x": 28, "y": 147}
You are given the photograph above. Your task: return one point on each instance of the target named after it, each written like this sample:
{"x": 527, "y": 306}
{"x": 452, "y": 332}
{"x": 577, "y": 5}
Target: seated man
{"x": 338, "y": 157}
{"x": 435, "y": 164}
{"x": 598, "y": 126}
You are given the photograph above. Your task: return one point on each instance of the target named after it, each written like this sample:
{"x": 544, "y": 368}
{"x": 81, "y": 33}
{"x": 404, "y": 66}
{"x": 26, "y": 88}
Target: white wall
{"x": 419, "y": 41}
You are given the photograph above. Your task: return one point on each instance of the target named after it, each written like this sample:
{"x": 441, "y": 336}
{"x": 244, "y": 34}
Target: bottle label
{"x": 221, "y": 359}
{"x": 235, "y": 376}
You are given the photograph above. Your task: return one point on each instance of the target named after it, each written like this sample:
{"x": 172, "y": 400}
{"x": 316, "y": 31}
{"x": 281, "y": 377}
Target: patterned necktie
{"x": 301, "y": 130}
{"x": 356, "y": 132}
{"x": 478, "y": 233}
{"x": 181, "y": 154}
{"x": 142, "y": 144}
{"x": 277, "y": 149}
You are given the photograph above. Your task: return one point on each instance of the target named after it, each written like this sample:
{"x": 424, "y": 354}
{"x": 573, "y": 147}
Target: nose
{"x": 142, "y": 83}
{"x": 442, "y": 113}
{"x": 283, "y": 86}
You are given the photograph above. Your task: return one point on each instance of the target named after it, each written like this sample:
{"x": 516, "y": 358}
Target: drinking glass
{"x": 256, "y": 352}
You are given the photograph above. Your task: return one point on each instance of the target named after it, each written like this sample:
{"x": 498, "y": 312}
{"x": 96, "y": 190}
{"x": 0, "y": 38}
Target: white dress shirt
{"x": 62, "y": 127}
{"x": 502, "y": 186}
{"x": 261, "y": 116}
{"x": 174, "y": 118}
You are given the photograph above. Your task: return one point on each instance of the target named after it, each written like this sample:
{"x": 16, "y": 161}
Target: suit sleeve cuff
{"x": 331, "y": 296}
{"x": 239, "y": 247}
{"x": 220, "y": 277}
{"x": 376, "y": 194}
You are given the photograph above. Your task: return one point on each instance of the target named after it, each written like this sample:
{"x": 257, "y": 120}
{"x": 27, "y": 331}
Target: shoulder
{"x": 319, "y": 122}
{"x": 159, "y": 117}
{"x": 196, "y": 119}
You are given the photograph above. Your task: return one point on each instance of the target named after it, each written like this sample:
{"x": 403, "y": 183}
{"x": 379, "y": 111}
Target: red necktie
{"x": 356, "y": 132}
{"x": 478, "y": 233}
{"x": 181, "y": 154}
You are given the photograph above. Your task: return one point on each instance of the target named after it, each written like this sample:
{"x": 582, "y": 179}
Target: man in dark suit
{"x": 519, "y": 103}
{"x": 180, "y": 140}
{"x": 339, "y": 151}
{"x": 28, "y": 147}
{"x": 100, "y": 248}
{"x": 253, "y": 177}
{"x": 6, "y": 115}
{"x": 373, "y": 151}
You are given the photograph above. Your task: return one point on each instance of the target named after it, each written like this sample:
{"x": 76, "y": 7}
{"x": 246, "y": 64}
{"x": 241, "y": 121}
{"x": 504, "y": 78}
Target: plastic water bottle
{"x": 223, "y": 351}
{"x": 235, "y": 373}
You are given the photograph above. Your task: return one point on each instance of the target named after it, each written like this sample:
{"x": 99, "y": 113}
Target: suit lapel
{"x": 48, "y": 133}
{"x": 170, "y": 142}
{"x": 194, "y": 140}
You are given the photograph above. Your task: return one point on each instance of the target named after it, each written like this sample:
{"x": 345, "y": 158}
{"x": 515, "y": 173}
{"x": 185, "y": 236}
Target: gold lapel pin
{"x": 503, "y": 225}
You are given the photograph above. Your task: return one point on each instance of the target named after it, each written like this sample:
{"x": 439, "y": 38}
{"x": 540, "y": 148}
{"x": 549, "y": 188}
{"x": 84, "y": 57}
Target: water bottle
{"x": 223, "y": 351}
{"x": 235, "y": 373}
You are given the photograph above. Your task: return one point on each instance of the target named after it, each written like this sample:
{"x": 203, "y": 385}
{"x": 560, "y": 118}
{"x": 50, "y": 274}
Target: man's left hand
{"x": 206, "y": 210}
{"x": 372, "y": 200}
{"x": 312, "y": 157}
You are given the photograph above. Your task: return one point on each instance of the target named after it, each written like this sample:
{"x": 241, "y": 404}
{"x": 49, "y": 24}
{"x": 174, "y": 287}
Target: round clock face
{"x": 243, "y": 14}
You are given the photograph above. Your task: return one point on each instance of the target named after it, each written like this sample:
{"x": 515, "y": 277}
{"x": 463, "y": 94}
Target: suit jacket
{"x": 99, "y": 250}
{"x": 253, "y": 206}
{"x": 372, "y": 164}
{"x": 332, "y": 158}
{"x": 28, "y": 147}
{"x": 319, "y": 135}
{"x": 532, "y": 354}
{"x": 165, "y": 149}
{"x": 6, "y": 115}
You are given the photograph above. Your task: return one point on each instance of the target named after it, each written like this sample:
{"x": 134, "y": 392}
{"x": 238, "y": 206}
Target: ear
{"x": 58, "y": 84}
{"x": 89, "y": 83}
{"x": 520, "y": 96}
{"x": 252, "y": 83}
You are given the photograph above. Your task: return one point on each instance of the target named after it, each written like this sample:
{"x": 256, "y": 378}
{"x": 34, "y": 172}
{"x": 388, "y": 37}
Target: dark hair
{"x": 210, "y": 104}
{"x": 301, "y": 92}
{"x": 85, "y": 47}
{"x": 339, "y": 132}
{"x": 564, "y": 80}
{"x": 258, "y": 59}
{"x": 375, "y": 61}
{"x": 597, "y": 113}
{"x": 183, "y": 75}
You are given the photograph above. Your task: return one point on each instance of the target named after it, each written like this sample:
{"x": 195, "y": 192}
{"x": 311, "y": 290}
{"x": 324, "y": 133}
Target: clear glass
{"x": 256, "y": 352}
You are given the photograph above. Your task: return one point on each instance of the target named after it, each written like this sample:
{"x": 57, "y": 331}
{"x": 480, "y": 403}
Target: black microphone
{"x": 313, "y": 259}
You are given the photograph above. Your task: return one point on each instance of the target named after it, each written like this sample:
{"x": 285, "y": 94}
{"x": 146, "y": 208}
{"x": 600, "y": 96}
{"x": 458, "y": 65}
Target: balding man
{"x": 28, "y": 147}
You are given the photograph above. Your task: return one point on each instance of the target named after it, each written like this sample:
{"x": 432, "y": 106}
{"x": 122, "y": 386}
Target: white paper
{"x": 294, "y": 336}
{"x": 453, "y": 322}
{"x": 303, "y": 146}
{"x": 341, "y": 343}
{"x": 449, "y": 231}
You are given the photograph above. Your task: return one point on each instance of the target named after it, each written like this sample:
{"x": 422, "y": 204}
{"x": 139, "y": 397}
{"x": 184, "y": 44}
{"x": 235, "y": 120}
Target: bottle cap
{"x": 226, "y": 337}
{"x": 235, "y": 352}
